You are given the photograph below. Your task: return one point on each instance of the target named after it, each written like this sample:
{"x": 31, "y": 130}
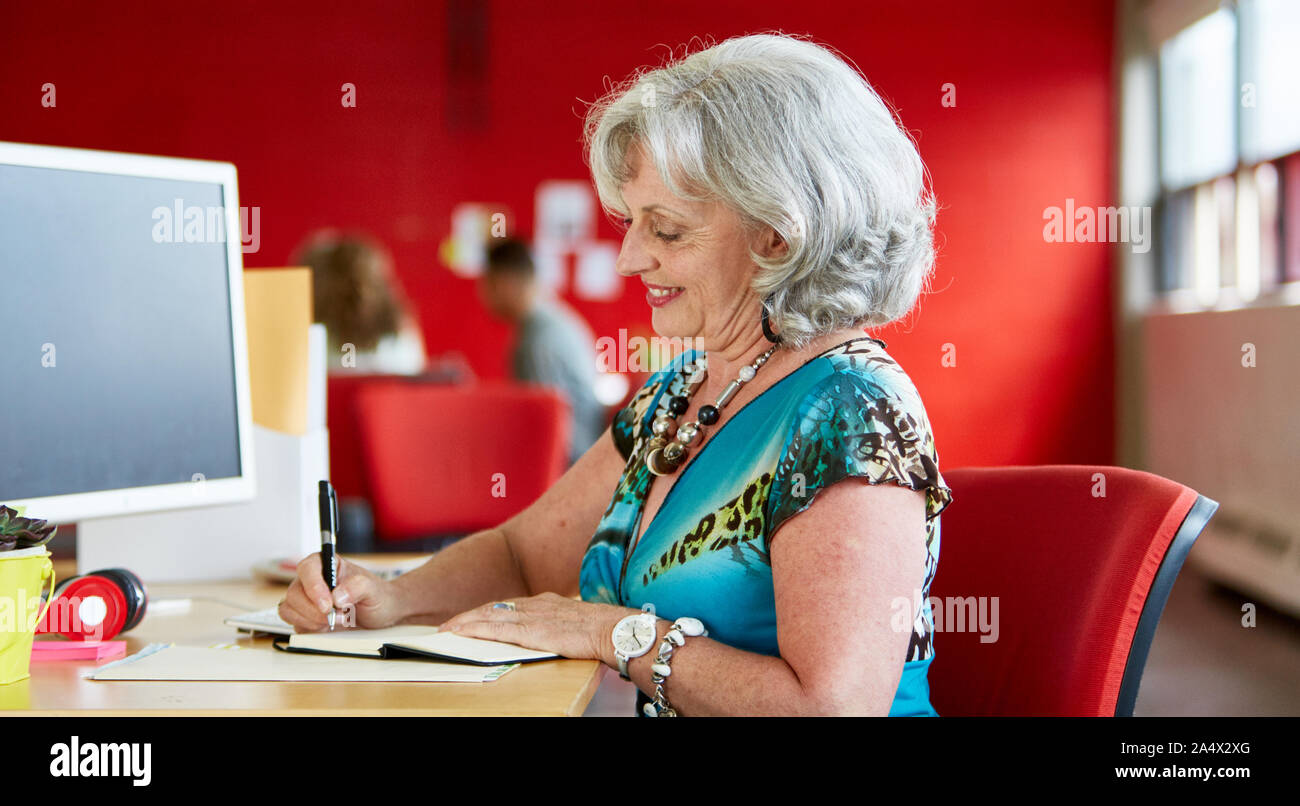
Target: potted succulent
{"x": 24, "y": 568}
{"x": 18, "y": 533}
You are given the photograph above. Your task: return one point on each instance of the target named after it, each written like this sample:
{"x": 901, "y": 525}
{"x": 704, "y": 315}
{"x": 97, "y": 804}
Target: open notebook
{"x": 411, "y": 641}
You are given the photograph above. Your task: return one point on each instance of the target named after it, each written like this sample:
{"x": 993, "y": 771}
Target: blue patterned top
{"x": 851, "y": 411}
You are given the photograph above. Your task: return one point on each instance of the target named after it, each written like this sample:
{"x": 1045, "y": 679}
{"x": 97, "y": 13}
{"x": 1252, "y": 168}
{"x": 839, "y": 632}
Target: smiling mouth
{"x": 658, "y": 296}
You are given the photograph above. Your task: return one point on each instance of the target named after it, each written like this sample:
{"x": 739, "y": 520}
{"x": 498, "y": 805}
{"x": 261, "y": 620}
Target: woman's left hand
{"x": 547, "y": 622}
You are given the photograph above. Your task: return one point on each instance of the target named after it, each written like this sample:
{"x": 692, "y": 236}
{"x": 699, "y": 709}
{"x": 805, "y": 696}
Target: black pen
{"x": 329, "y": 529}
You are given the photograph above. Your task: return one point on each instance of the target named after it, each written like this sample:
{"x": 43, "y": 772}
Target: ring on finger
{"x": 503, "y": 605}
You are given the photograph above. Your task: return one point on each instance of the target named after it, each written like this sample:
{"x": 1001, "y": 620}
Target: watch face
{"x": 634, "y": 636}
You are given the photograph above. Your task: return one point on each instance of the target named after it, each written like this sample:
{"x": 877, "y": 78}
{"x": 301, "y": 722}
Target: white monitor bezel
{"x": 107, "y": 503}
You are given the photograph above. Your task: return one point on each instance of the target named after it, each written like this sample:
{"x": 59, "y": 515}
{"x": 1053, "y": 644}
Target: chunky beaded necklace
{"x": 665, "y": 455}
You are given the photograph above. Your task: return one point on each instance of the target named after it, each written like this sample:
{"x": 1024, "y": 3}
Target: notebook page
{"x": 359, "y": 642}
{"x": 472, "y": 649}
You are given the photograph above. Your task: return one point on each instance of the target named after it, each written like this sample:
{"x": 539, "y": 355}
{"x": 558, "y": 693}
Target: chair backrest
{"x": 1079, "y": 561}
{"x": 346, "y": 468}
{"x": 452, "y": 460}
{"x": 346, "y": 472}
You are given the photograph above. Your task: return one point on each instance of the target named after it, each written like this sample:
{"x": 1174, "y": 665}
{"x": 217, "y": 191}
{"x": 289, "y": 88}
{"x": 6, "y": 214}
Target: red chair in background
{"x": 1081, "y": 581}
{"x": 346, "y": 471}
{"x": 452, "y": 460}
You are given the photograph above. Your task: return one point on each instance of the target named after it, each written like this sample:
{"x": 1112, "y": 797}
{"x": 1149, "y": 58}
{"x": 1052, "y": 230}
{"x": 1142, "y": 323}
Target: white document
{"x": 172, "y": 662}
{"x": 317, "y": 358}
{"x": 596, "y": 277}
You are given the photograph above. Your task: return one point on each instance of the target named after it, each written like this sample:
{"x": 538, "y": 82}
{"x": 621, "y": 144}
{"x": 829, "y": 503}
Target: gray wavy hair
{"x": 791, "y": 137}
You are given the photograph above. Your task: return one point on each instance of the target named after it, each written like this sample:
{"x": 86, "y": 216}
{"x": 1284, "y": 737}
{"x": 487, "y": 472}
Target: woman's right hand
{"x": 374, "y": 602}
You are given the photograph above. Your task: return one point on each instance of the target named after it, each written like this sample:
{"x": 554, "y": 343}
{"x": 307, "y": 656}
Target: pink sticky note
{"x": 77, "y": 650}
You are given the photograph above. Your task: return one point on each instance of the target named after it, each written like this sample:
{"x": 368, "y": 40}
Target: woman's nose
{"x": 633, "y": 258}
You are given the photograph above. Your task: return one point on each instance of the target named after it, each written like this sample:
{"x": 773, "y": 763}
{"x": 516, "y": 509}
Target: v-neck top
{"x": 849, "y": 412}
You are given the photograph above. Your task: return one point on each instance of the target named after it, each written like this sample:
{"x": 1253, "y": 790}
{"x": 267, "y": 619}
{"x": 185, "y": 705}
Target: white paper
{"x": 172, "y": 662}
{"x": 596, "y": 276}
{"x": 565, "y": 212}
{"x": 317, "y": 348}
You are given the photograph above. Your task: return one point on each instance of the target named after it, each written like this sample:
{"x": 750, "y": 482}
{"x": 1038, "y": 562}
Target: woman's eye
{"x": 626, "y": 224}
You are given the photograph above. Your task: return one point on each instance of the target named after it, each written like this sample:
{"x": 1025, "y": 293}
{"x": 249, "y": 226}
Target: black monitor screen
{"x": 116, "y": 358}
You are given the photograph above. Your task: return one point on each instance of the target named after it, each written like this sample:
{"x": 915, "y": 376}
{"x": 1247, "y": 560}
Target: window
{"x": 1270, "y": 66}
{"x": 1198, "y": 139}
{"x": 1228, "y": 141}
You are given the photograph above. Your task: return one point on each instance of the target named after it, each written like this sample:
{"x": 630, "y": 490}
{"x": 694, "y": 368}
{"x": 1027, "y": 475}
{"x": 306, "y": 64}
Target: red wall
{"x": 257, "y": 84}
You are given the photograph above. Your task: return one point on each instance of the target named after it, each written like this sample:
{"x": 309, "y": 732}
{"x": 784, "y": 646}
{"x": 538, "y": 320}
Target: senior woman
{"x": 773, "y": 210}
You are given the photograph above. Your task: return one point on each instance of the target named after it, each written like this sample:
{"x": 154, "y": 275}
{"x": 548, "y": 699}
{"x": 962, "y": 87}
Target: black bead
{"x": 708, "y": 415}
{"x": 677, "y": 405}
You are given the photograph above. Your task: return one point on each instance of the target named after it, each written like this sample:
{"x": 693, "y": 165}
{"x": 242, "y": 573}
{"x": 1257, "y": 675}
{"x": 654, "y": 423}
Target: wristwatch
{"x": 633, "y": 636}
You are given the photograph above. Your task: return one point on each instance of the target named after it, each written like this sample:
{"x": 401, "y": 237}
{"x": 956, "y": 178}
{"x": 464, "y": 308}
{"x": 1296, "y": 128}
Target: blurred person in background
{"x": 553, "y": 346}
{"x": 360, "y": 303}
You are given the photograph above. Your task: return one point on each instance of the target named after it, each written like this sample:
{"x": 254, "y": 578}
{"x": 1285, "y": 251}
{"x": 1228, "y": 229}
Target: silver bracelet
{"x": 660, "y": 670}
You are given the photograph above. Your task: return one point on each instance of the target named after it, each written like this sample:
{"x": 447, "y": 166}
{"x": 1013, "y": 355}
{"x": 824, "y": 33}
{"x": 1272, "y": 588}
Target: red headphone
{"x": 95, "y": 607}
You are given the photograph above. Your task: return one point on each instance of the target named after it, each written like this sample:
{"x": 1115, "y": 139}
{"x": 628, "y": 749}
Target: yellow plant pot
{"x": 23, "y": 574}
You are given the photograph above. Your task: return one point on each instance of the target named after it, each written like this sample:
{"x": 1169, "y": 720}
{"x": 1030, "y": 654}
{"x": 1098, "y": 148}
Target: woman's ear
{"x": 770, "y": 244}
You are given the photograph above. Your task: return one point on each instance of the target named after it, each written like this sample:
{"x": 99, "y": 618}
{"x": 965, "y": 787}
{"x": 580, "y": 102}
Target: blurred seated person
{"x": 553, "y": 346}
{"x": 360, "y": 303}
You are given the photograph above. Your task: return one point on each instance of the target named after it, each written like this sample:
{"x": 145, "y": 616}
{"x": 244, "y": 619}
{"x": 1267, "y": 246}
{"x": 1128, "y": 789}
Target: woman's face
{"x": 693, "y": 258}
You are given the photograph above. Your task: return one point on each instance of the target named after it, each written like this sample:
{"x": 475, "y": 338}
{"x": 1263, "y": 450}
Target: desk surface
{"x": 549, "y": 688}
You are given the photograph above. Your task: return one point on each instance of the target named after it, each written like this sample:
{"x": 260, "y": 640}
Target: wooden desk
{"x": 59, "y": 688}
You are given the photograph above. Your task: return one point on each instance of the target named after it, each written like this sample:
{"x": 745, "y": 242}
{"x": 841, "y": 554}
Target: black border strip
{"x": 1197, "y": 517}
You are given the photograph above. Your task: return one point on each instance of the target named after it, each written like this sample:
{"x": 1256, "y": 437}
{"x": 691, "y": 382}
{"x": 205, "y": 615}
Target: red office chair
{"x": 432, "y": 454}
{"x": 346, "y": 469}
{"x": 341, "y": 417}
{"x": 1081, "y": 582}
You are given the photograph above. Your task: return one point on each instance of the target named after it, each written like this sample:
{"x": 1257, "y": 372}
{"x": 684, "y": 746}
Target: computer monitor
{"x": 123, "y": 358}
